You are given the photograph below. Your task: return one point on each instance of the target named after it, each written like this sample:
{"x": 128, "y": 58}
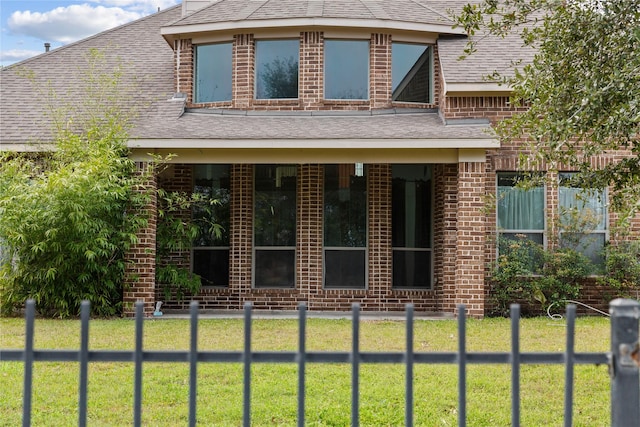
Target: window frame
{"x": 226, "y": 247}
{"x": 196, "y": 55}
{"x": 359, "y": 168}
{"x": 368, "y": 66}
{"x": 414, "y": 70}
{"x": 256, "y": 248}
{"x": 430, "y": 224}
{"x": 515, "y": 231}
{"x": 604, "y": 232}
{"x": 256, "y": 69}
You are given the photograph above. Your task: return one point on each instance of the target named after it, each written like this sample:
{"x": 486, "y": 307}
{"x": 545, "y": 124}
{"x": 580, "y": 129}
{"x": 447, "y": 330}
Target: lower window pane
{"x": 411, "y": 269}
{"x": 212, "y": 265}
{"x": 344, "y": 269}
{"x": 589, "y": 244}
{"x": 275, "y": 268}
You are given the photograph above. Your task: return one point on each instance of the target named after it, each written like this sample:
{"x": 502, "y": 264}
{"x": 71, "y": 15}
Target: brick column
{"x": 140, "y": 270}
{"x": 310, "y": 226}
{"x": 243, "y": 70}
{"x": 241, "y": 231}
{"x": 183, "y": 60}
{"x": 311, "y": 69}
{"x": 470, "y": 243}
{"x": 380, "y": 71}
{"x": 446, "y": 205}
{"x": 380, "y": 251}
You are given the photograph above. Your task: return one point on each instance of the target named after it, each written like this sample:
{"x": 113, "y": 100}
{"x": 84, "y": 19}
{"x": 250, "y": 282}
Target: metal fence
{"x": 623, "y": 361}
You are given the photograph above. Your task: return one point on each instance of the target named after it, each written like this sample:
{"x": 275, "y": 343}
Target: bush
{"x": 67, "y": 217}
{"x": 622, "y": 268}
{"x": 526, "y": 272}
{"x": 64, "y": 227}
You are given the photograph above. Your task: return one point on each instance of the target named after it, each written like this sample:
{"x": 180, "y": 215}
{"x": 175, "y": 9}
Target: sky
{"x": 27, "y": 25}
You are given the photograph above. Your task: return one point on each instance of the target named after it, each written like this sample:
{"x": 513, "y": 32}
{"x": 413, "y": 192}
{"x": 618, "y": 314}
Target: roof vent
{"x": 47, "y": 46}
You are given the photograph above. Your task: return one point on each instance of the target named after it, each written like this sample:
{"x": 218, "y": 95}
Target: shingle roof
{"x": 147, "y": 64}
{"x": 145, "y": 57}
{"x": 414, "y": 11}
{"x": 169, "y": 122}
{"x": 492, "y": 54}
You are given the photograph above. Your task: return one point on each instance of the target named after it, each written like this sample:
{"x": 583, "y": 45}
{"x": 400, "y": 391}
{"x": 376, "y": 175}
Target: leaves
{"x": 582, "y": 89}
{"x": 63, "y": 227}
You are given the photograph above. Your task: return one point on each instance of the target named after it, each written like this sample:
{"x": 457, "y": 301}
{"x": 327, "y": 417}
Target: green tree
{"x": 582, "y": 89}
{"x": 67, "y": 216}
{"x": 280, "y": 78}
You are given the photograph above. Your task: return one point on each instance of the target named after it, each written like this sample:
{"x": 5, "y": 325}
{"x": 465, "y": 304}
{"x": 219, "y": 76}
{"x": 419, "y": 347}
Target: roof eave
{"x": 477, "y": 89}
{"x": 174, "y": 32}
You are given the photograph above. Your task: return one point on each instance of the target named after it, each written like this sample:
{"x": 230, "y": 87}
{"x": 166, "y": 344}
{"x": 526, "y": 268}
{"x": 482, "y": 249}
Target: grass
{"x": 328, "y": 386}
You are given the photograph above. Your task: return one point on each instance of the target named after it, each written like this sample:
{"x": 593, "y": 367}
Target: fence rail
{"x": 623, "y": 361}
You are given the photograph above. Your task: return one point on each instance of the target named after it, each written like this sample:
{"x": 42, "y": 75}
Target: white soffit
{"x": 324, "y": 144}
{"x": 179, "y": 31}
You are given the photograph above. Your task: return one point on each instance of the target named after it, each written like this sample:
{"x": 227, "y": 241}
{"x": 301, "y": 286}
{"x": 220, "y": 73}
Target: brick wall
{"x": 379, "y": 295}
{"x": 140, "y": 270}
{"x": 470, "y": 238}
{"x": 310, "y": 80}
{"x": 184, "y": 62}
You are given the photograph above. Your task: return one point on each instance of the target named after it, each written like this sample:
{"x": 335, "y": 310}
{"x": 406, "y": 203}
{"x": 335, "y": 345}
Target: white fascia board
{"x": 476, "y": 89}
{"x": 327, "y": 144}
{"x": 237, "y": 26}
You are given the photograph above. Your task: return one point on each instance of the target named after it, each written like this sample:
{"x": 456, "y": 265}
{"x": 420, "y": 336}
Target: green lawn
{"x": 328, "y": 386}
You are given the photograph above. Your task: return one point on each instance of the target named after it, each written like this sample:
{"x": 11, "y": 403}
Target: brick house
{"x": 351, "y": 151}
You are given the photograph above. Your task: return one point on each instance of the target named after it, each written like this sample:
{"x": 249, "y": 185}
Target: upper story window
{"x": 277, "y": 69}
{"x": 411, "y": 74}
{"x": 346, "y": 69}
{"x": 213, "y": 72}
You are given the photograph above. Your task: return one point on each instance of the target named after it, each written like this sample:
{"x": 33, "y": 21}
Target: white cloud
{"x": 139, "y": 5}
{"x": 67, "y": 24}
{"x": 15, "y": 55}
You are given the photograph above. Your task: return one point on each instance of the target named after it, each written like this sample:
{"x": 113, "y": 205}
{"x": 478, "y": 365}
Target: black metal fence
{"x": 623, "y": 361}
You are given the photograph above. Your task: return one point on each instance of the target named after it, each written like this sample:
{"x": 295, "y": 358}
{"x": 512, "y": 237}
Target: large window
{"x": 210, "y": 258}
{"x": 277, "y": 69}
{"x": 520, "y": 211}
{"x": 583, "y": 218}
{"x": 213, "y": 72}
{"x": 346, "y": 69}
{"x": 411, "y": 226}
{"x": 411, "y": 72}
{"x": 345, "y": 226}
{"x": 275, "y": 226}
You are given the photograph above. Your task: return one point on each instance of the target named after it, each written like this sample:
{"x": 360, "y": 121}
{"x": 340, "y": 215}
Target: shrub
{"x": 528, "y": 273}
{"x": 622, "y": 268}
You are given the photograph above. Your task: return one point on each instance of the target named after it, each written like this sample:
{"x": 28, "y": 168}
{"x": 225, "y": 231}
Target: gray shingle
{"x": 145, "y": 57}
{"x": 410, "y": 11}
{"x": 225, "y": 125}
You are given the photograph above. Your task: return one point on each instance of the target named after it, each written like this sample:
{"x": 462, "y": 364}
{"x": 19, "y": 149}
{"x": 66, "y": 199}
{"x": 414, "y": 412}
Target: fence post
{"x": 625, "y": 379}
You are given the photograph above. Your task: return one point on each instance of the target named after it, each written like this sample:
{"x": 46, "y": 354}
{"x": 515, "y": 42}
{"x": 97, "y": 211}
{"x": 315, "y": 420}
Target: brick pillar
{"x": 243, "y": 70}
{"x": 241, "y": 231}
{"x": 380, "y": 71}
{"x": 380, "y": 252}
{"x": 470, "y": 242}
{"x": 140, "y": 270}
{"x": 309, "y": 239}
{"x": 311, "y": 70}
{"x": 183, "y": 60}
{"x": 446, "y": 203}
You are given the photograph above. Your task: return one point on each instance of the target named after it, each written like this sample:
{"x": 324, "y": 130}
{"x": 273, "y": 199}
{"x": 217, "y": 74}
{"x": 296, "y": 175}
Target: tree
{"x": 582, "y": 89}
{"x": 280, "y": 79}
{"x": 67, "y": 216}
